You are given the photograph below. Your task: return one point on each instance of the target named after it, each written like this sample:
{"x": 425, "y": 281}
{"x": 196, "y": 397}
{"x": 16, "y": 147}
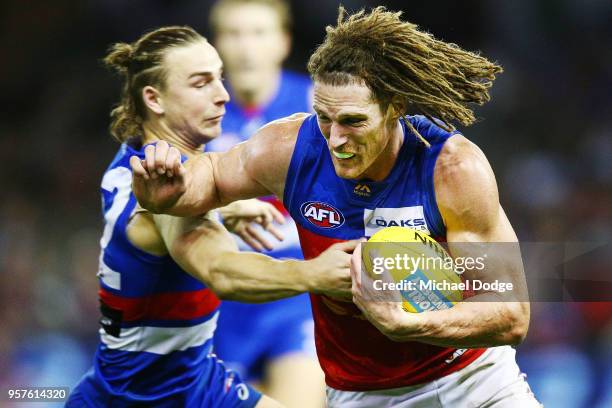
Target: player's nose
{"x": 221, "y": 96}
{"x": 337, "y": 137}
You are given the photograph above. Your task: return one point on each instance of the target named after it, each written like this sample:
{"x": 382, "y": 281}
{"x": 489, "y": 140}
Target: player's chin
{"x": 347, "y": 169}
{"x": 210, "y": 131}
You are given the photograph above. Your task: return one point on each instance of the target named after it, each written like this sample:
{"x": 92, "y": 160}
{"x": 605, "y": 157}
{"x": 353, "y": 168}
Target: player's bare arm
{"x": 255, "y": 168}
{"x": 205, "y": 249}
{"x": 467, "y": 196}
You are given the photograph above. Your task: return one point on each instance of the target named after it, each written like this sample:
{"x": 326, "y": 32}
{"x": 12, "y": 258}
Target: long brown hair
{"x": 404, "y": 66}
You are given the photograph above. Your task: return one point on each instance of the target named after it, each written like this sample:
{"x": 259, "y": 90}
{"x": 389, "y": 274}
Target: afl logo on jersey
{"x": 322, "y": 215}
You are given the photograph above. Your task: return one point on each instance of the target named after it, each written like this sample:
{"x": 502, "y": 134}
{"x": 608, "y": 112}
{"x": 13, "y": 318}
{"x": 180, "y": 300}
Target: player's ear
{"x": 395, "y": 110}
{"x": 397, "y": 107}
{"x": 152, "y": 99}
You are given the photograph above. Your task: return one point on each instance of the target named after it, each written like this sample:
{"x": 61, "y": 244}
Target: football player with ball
{"x": 362, "y": 162}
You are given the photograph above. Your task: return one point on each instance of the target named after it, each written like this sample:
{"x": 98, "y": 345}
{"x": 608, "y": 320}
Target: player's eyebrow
{"x": 206, "y": 73}
{"x": 360, "y": 116}
{"x": 343, "y": 116}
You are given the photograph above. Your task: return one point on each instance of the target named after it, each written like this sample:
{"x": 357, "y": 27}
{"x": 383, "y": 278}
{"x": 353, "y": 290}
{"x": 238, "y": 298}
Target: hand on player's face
{"x": 159, "y": 179}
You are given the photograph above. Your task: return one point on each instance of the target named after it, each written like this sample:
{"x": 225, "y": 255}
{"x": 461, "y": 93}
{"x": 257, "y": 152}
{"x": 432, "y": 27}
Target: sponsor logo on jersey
{"x": 322, "y": 215}
{"x": 379, "y": 218}
{"x": 111, "y": 319}
{"x": 243, "y": 392}
{"x": 362, "y": 190}
{"x": 458, "y": 353}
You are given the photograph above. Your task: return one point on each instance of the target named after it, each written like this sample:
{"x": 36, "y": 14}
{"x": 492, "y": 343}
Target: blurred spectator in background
{"x": 253, "y": 38}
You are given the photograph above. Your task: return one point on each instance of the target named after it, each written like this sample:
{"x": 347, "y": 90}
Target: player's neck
{"x": 385, "y": 162}
{"x": 156, "y": 131}
{"x": 259, "y": 94}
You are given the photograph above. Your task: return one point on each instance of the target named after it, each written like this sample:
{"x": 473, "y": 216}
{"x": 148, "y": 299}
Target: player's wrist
{"x": 402, "y": 326}
{"x": 299, "y": 271}
{"x": 227, "y": 212}
{"x": 314, "y": 277}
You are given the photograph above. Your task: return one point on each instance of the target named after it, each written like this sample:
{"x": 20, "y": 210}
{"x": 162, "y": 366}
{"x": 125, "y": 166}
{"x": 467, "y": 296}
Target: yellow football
{"x": 420, "y": 268}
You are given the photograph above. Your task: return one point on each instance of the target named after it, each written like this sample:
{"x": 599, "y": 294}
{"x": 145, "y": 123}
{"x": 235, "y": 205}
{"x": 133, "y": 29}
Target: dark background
{"x": 547, "y": 132}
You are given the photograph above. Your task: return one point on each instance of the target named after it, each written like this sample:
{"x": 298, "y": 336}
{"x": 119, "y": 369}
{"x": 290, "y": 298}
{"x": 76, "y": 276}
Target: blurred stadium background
{"x": 547, "y": 133}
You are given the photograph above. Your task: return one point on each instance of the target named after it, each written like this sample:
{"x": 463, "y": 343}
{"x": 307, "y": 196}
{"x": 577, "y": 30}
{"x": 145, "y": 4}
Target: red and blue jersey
{"x": 354, "y": 354}
{"x": 157, "y": 321}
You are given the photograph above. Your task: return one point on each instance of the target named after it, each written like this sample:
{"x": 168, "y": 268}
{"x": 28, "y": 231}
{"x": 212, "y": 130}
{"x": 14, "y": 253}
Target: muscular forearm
{"x": 252, "y": 277}
{"x": 204, "y": 249}
{"x": 481, "y": 321}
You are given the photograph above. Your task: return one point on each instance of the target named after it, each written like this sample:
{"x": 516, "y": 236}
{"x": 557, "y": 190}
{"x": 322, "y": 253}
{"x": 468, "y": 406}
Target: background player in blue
{"x": 160, "y": 275}
{"x": 253, "y": 39}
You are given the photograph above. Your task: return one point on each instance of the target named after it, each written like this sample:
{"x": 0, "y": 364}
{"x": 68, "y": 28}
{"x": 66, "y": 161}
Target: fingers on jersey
{"x": 162, "y": 159}
{"x": 138, "y": 168}
{"x": 277, "y": 215}
{"x": 271, "y": 214}
{"x": 149, "y": 160}
{"x": 334, "y": 263}
{"x": 274, "y": 231}
{"x": 356, "y": 266}
{"x": 173, "y": 162}
{"x": 346, "y": 246}
{"x": 255, "y": 239}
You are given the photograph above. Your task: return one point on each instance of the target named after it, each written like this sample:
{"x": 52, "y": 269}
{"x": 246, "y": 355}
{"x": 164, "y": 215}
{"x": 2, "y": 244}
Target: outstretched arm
{"x": 258, "y": 167}
{"x": 203, "y": 248}
{"x": 468, "y": 200}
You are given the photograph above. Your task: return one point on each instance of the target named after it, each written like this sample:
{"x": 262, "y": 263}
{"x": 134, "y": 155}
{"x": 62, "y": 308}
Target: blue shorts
{"x": 249, "y": 336}
{"x": 218, "y": 388}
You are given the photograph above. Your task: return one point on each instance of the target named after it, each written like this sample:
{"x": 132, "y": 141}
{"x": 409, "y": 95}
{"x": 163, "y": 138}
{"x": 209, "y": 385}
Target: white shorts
{"x": 493, "y": 380}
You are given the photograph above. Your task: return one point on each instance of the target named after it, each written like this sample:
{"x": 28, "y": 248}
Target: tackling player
{"x": 253, "y": 39}
{"x": 359, "y": 163}
{"x": 160, "y": 275}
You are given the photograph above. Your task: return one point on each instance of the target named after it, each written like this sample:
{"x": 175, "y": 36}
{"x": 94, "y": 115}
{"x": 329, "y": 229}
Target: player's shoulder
{"x": 460, "y": 157}
{"x": 279, "y": 134}
{"x": 433, "y": 130}
{"x": 463, "y": 179}
{"x": 267, "y": 155}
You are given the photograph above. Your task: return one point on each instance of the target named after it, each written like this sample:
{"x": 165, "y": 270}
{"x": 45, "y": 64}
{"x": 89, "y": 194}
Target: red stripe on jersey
{"x": 163, "y": 306}
{"x": 356, "y": 356}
